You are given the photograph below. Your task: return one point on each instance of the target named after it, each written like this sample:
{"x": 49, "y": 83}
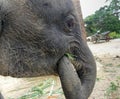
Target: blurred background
{"x": 101, "y": 16}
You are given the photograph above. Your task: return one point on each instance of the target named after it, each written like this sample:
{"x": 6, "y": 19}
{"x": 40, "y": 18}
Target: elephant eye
{"x": 69, "y": 23}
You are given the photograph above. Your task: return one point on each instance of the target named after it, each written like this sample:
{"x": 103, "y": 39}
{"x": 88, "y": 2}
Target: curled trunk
{"x": 74, "y": 85}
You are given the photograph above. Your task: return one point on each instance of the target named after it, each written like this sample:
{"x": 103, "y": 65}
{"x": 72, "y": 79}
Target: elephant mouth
{"x": 78, "y": 64}
{"x": 73, "y": 54}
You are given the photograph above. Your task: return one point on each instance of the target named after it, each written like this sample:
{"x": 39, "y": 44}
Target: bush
{"x": 114, "y": 35}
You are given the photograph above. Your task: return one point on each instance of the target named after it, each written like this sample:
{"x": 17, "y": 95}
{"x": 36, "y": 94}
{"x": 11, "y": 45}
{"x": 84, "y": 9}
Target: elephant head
{"x": 36, "y": 36}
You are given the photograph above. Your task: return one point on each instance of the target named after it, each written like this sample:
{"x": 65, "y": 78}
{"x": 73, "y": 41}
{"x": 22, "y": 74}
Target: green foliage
{"x": 70, "y": 56}
{"x": 98, "y": 79}
{"x": 110, "y": 64}
{"x": 90, "y": 24}
{"x": 118, "y": 66}
{"x": 104, "y": 19}
{"x": 114, "y": 7}
{"x": 118, "y": 35}
{"x": 111, "y": 23}
{"x": 41, "y": 90}
{"x": 113, "y": 87}
{"x": 114, "y": 35}
{"x": 118, "y": 77}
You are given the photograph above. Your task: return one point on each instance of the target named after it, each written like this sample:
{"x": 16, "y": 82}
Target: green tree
{"x": 90, "y": 25}
{"x": 94, "y": 21}
{"x": 110, "y": 23}
{"x": 114, "y": 7}
{"x": 104, "y": 19}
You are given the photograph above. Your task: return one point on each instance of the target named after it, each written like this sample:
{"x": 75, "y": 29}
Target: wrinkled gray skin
{"x": 35, "y": 35}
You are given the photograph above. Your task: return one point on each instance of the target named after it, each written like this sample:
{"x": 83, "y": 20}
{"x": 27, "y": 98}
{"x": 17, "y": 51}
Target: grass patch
{"x": 111, "y": 71}
{"x": 118, "y": 77}
{"x": 110, "y": 64}
{"x": 118, "y": 66}
{"x": 112, "y": 89}
{"x": 98, "y": 79}
{"x": 45, "y": 88}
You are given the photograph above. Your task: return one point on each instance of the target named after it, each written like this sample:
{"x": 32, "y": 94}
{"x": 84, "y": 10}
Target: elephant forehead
{"x": 50, "y": 7}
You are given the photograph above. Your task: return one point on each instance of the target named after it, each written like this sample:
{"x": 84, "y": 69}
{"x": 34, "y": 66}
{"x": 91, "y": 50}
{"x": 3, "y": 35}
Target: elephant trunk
{"x": 76, "y": 84}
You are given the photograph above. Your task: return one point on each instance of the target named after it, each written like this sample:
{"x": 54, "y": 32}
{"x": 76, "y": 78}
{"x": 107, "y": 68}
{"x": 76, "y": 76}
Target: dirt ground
{"x": 107, "y": 56}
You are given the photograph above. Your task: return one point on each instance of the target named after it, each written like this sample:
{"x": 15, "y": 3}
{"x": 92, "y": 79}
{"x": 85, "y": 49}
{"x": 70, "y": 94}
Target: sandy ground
{"x": 107, "y": 57}
{"x": 109, "y": 48}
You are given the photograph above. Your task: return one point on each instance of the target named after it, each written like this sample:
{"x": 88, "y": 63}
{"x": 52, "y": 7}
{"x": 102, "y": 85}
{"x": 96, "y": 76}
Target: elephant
{"x": 36, "y": 39}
